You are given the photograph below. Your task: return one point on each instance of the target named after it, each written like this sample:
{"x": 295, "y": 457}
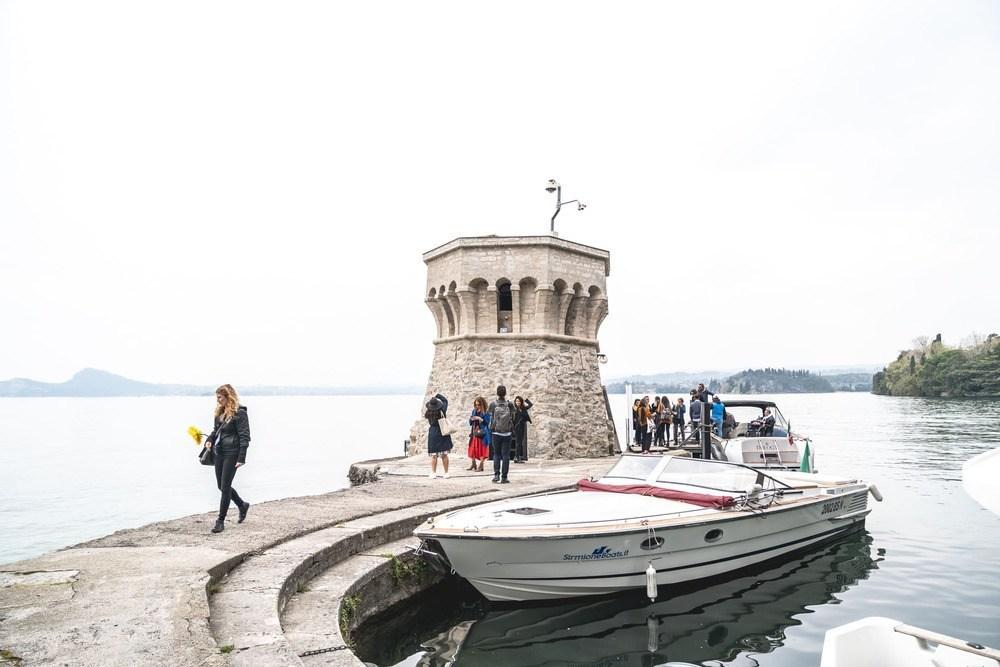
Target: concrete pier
{"x": 261, "y": 592}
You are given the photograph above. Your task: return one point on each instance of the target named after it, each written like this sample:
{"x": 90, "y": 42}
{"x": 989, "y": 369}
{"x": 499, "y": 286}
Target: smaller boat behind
{"x": 762, "y": 437}
{"x": 756, "y": 434}
{"x": 884, "y": 642}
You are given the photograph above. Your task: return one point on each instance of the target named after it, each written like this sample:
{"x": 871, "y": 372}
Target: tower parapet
{"x": 525, "y": 312}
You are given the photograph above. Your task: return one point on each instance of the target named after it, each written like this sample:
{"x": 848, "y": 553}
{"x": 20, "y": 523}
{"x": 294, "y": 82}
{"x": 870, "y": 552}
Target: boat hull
{"x": 524, "y": 567}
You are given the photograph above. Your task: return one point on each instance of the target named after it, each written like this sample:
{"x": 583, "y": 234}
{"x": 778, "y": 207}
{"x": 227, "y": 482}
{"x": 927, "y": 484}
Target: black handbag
{"x": 206, "y": 457}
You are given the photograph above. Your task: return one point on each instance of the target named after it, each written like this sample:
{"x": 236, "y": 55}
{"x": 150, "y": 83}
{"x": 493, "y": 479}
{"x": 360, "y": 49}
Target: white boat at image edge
{"x": 649, "y": 521}
{"x": 884, "y": 642}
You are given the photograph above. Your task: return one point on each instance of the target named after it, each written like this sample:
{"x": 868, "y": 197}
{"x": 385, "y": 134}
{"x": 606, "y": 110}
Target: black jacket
{"x": 232, "y": 435}
{"x": 521, "y": 415}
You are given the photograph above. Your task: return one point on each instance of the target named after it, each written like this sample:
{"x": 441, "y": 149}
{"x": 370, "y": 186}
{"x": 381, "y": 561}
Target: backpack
{"x": 503, "y": 417}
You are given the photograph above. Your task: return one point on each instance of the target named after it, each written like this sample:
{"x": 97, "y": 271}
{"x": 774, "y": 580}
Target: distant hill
{"x": 666, "y": 383}
{"x": 850, "y": 381}
{"x": 768, "y": 380}
{"x": 91, "y": 382}
{"x": 776, "y": 381}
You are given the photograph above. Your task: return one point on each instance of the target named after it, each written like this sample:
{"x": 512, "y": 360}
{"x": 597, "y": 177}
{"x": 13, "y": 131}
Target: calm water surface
{"x": 929, "y": 556}
{"x": 72, "y": 469}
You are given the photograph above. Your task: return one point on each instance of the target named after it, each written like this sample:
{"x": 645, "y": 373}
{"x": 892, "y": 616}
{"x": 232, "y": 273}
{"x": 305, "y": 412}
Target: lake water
{"x": 929, "y": 556}
{"x": 75, "y": 469}
{"x": 72, "y": 469}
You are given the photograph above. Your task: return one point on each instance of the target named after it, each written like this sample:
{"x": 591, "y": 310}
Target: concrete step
{"x": 338, "y": 600}
{"x": 246, "y": 606}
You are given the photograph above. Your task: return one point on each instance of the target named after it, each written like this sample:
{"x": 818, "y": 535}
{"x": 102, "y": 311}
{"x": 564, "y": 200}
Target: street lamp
{"x": 553, "y": 186}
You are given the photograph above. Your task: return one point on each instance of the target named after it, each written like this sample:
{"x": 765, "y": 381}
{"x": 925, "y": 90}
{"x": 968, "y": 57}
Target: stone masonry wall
{"x": 569, "y": 417}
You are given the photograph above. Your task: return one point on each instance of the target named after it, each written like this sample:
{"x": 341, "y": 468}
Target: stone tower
{"x": 522, "y": 311}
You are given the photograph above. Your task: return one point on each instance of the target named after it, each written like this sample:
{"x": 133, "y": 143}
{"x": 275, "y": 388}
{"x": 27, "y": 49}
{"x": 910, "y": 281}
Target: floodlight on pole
{"x": 554, "y": 186}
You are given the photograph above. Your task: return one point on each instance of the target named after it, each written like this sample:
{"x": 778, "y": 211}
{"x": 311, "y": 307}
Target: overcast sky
{"x": 241, "y": 191}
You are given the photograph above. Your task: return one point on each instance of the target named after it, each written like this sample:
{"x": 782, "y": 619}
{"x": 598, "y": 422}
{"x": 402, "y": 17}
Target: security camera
{"x": 551, "y": 187}
{"x": 580, "y": 207}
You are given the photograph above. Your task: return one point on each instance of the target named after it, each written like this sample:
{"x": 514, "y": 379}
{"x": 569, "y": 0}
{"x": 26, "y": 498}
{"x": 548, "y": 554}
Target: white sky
{"x": 241, "y": 191}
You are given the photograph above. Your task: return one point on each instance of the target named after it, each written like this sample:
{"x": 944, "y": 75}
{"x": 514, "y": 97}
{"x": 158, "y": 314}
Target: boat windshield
{"x": 634, "y": 467}
{"x": 714, "y": 476}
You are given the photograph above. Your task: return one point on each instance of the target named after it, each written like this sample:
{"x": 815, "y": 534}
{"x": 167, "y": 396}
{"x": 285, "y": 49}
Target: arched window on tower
{"x": 505, "y": 309}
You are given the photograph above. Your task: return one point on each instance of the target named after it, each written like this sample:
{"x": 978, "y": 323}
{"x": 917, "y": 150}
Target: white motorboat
{"x": 762, "y": 437}
{"x": 650, "y": 521}
{"x": 749, "y": 610}
{"x": 884, "y": 642}
{"x": 759, "y": 436}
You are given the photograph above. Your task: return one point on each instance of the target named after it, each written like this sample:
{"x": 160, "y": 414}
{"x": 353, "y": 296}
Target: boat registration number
{"x": 832, "y": 506}
{"x": 770, "y": 446}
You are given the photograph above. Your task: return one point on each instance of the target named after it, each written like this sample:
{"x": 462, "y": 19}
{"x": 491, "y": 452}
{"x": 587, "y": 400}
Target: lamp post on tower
{"x": 553, "y": 186}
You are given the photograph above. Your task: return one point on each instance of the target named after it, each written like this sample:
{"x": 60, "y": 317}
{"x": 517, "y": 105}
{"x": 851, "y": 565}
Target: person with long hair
{"x": 657, "y": 410}
{"x": 438, "y": 444}
{"x": 521, "y": 420}
{"x": 680, "y": 431}
{"x": 229, "y": 441}
{"x": 645, "y": 422}
{"x": 479, "y": 435}
{"x": 636, "y": 437}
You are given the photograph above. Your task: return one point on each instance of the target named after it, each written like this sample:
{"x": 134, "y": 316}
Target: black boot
{"x": 243, "y": 512}
{"x": 220, "y": 525}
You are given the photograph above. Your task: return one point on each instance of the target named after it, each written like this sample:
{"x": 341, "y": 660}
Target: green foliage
{"x": 938, "y": 370}
{"x": 348, "y": 608}
{"x": 8, "y": 658}
{"x": 228, "y": 648}
{"x": 404, "y": 570}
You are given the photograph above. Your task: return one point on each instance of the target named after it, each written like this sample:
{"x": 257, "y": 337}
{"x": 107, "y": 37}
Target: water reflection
{"x": 694, "y": 623}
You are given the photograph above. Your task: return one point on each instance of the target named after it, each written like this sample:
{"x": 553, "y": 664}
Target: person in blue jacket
{"x": 718, "y": 414}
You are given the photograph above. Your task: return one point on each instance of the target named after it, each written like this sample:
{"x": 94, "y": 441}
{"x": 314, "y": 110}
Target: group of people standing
{"x": 495, "y": 432}
{"x": 652, "y": 421}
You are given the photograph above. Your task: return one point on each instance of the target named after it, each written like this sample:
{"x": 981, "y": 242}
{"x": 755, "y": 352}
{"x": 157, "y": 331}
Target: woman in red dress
{"x": 479, "y": 435}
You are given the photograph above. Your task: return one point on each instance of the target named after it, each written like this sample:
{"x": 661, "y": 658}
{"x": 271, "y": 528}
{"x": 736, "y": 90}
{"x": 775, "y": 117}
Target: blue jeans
{"x": 717, "y": 426}
{"x": 501, "y": 455}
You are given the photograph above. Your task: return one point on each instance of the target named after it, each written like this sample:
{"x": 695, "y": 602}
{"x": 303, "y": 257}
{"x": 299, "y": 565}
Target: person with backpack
{"x": 501, "y": 413}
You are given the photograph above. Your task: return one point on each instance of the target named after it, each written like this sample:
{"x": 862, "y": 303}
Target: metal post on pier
{"x": 706, "y": 436}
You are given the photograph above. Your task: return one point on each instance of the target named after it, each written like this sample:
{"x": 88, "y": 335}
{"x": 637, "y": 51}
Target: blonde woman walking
{"x": 229, "y": 441}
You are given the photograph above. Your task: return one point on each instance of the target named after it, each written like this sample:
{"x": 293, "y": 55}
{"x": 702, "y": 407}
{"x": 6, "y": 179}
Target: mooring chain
{"x": 329, "y": 649}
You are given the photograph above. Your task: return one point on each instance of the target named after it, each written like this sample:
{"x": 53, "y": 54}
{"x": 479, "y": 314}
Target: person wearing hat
{"x": 438, "y": 445}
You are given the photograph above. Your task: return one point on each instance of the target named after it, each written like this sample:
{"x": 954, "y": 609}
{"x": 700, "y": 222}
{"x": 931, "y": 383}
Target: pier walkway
{"x": 172, "y": 593}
